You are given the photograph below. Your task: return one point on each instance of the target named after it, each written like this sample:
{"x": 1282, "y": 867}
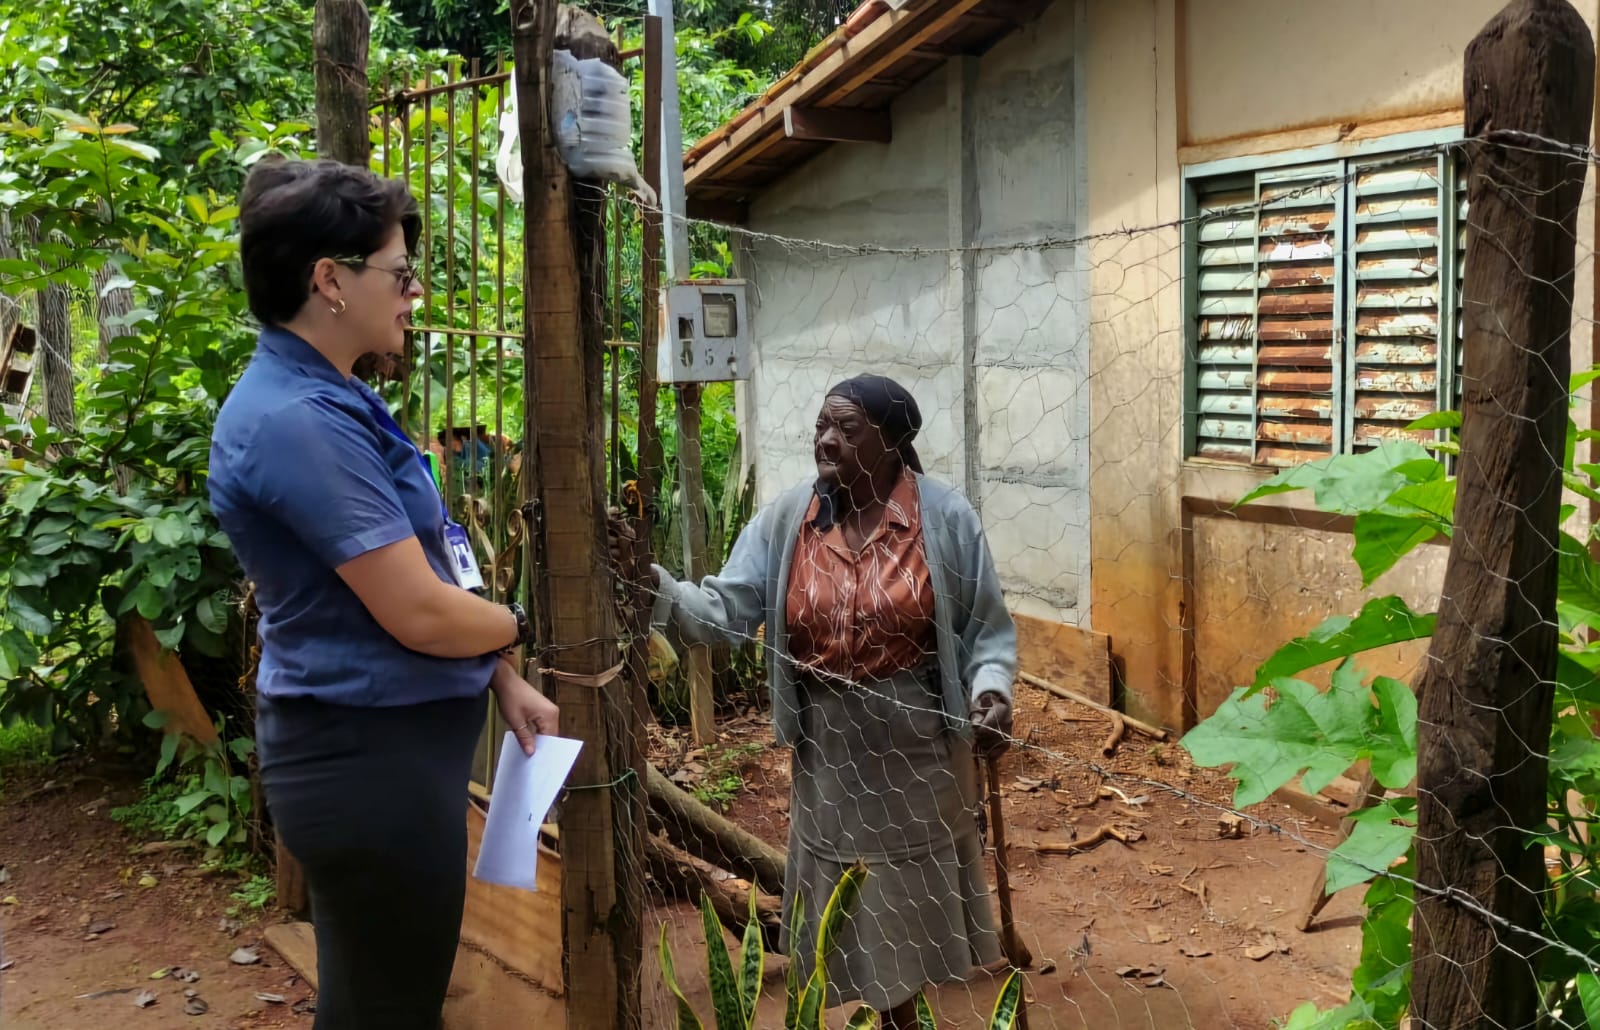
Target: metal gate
{"x": 460, "y": 383}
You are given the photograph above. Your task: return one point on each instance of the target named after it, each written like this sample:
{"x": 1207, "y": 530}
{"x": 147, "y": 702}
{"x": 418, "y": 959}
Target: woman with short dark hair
{"x": 376, "y": 649}
{"x": 890, "y": 655}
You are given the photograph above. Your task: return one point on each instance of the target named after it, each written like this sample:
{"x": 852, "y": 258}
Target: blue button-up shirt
{"x": 303, "y": 479}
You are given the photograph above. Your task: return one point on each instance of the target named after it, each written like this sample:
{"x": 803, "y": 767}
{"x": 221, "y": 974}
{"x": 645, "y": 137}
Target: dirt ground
{"x": 70, "y": 870}
{"x": 1177, "y": 929}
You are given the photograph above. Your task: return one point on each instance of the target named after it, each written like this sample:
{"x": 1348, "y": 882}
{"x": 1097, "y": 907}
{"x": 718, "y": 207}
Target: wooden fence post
{"x": 602, "y": 817}
{"x": 1486, "y": 694}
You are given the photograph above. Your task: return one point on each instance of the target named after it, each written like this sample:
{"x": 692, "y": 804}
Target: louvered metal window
{"x": 1314, "y": 305}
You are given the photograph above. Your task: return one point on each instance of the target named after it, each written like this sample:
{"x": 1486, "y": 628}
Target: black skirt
{"x": 372, "y": 803}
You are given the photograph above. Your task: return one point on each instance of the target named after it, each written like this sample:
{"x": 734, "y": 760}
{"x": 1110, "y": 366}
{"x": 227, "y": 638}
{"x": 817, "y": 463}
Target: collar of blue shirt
{"x": 280, "y": 345}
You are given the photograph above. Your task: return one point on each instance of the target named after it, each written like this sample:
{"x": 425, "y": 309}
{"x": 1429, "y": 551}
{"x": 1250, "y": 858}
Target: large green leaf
{"x": 25, "y": 617}
{"x": 687, "y": 1020}
{"x": 1350, "y": 484}
{"x": 1578, "y": 584}
{"x": 925, "y": 1018}
{"x": 1381, "y": 622}
{"x": 727, "y": 1003}
{"x": 791, "y": 978}
{"x": 1006, "y": 1007}
{"x": 1589, "y": 994}
{"x": 1303, "y": 732}
{"x": 1395, "y": 767}
{"x": 864, "y": 1018}
{"x": 1380, "y": 835}
{"x": 1382, "y": 979}
{"x": 752, "y": 962}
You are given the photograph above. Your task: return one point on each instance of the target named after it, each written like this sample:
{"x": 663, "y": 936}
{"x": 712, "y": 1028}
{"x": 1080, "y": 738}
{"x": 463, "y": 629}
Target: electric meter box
{"x": 705, "y": 332}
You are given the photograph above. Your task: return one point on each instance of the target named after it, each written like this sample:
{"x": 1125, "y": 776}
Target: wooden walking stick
{"x": 1016, "y": 952}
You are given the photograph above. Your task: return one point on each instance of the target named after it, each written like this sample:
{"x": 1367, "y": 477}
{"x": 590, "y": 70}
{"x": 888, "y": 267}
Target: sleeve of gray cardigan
{"x": 728, "y": 607}
{"x": 989, "y": 638}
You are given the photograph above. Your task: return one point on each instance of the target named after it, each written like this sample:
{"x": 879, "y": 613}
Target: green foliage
{"x": 1401, "y": 497}
{"x": 254, "y": 894}
{"x": 180, "y": 69}
{"x": 110, "y": 518}
{"x": 722, "y": 781}
{"x": 23, "y": 745}
{"x": 1310, "y": 733}
{"x": 216, "y": 803}
{"x": 734, "y": 995}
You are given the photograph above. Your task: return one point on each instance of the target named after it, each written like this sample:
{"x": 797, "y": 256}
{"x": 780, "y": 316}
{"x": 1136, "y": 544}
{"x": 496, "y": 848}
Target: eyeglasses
{"x": 405, "y": 277}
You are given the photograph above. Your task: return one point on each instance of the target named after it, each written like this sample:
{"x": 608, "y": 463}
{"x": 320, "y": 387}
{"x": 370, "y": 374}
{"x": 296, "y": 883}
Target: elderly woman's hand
{"x": 991, "y": 721}
{"x": 620, "y": 538}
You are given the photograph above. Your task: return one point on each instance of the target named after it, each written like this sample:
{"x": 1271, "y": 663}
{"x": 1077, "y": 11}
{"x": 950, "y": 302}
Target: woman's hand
{"x": 991, "y": 721}
{"x": 528, "y": 712}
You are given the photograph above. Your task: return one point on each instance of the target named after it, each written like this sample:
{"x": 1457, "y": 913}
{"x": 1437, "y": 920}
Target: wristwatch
{"x": 524, "y": 628}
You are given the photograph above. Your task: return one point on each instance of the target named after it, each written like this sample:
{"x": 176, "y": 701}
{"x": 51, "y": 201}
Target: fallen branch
{"x": 708, "y": 836}
{"x": 688, "y": 878}
{"x": 1100, "y": 836}
{"x": 1119, "y": 726}
{"x": 1154, "y": 732}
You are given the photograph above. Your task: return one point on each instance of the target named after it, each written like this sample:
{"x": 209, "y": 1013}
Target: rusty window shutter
{"x": 1314, "y": 306}
{"x": 1401, "y": 270}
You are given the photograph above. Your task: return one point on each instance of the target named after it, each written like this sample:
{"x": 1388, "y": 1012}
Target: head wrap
{"x": 891, "y": 408}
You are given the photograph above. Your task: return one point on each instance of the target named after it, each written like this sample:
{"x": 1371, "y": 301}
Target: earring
{"x": 337, "y": 311}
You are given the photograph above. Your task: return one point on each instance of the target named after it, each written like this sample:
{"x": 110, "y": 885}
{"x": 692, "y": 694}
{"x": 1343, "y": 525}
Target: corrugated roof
{"x": 880, "y": 51}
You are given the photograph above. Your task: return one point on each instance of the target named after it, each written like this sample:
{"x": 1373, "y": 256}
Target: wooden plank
{"x": 836, "y": 125}
{"x": 521, "y": 929}
{"x": 485, "y": 994}
{"x": 482, "y": 993}
{"x": 166, "y": 683}
{"x": 297, "y": 943}
{"x": 1075, "y": 658}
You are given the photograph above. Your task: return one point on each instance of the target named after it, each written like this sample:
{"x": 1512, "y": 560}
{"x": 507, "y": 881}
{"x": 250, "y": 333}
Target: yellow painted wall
{"x": 1166, "y": 80}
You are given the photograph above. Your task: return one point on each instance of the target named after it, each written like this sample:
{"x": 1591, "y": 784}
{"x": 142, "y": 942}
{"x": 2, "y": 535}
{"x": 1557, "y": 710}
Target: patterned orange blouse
{"x": 865, "y": 615}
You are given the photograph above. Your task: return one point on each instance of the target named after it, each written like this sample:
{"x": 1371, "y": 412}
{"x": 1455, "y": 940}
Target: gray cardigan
{"x": 977, "y": 643}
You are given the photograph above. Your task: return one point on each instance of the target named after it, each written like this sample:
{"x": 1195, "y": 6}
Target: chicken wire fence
{"x": 1092, "y": 407}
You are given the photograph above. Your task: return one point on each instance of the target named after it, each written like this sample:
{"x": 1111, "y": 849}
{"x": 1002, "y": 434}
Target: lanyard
{"x": 390, "y": 426}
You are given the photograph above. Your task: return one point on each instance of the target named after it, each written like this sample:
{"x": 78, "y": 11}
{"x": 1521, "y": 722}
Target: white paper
{"x": 524, "y": 790}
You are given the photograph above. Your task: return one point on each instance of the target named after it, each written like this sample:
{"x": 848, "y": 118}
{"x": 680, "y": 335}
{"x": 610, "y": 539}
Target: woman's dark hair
{"x": 294, "y": 213}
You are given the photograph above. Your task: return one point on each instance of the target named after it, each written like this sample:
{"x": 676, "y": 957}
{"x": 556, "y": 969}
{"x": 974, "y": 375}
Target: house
{"x": 1041, "y": 216}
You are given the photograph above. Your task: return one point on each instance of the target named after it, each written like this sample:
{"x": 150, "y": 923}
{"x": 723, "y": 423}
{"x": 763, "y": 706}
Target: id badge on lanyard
{"x": 463, "y": 563}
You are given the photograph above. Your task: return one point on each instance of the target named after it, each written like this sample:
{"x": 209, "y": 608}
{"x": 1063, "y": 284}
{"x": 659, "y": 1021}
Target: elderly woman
{"x": 889, "y": 644}
{"x": 376, "y": 648}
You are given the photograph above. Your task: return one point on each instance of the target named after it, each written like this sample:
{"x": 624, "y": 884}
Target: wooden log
{"x": 166, "y": 682}
{"x": 1486, "y": 693}
{"x": 684, "y": 876}
{"x": 707, "y": 835}
{"x": 1154, "y": 732}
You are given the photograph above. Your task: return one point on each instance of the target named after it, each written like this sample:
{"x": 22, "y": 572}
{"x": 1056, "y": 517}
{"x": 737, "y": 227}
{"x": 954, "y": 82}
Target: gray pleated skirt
{"x": 879, "y": 779}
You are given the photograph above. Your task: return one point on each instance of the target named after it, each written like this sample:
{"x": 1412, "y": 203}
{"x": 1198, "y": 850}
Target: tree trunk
{"x": 706, "y": 834}
{"x": 339, "y": 38}
{"x": 1485, "y": 698}
{"x": 110, "y": 305}
{"x": 55, "y": 350}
